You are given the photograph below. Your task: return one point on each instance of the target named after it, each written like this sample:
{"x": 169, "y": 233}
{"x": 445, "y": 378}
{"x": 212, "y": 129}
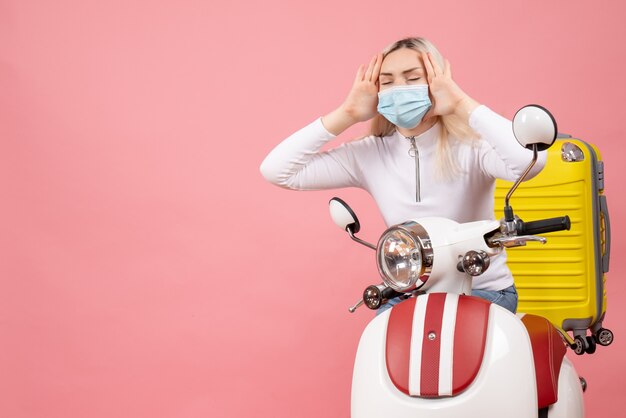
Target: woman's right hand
{"x": 362, "y": 100}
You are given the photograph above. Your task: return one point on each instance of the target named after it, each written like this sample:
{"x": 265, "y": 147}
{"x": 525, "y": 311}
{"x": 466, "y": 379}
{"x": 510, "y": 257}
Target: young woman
{"x": 432, "y": 149}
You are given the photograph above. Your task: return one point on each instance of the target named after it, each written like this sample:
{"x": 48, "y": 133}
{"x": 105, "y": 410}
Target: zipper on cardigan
{"x": 414, "y": 152}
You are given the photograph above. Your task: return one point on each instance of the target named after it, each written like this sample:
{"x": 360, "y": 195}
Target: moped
{"x": 442, "y": 352}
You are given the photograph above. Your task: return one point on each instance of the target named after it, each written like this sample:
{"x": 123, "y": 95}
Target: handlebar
{"x": 542, "y": 226}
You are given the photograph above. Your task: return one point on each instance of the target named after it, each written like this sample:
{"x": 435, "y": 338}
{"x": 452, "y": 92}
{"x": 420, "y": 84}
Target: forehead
{"x": 400, "y": 60}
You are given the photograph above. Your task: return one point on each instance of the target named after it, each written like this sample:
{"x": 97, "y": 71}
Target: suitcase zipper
{"x": 414, "y": 152}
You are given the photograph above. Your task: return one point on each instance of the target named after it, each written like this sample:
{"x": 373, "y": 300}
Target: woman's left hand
{"x": 447, "y": 96}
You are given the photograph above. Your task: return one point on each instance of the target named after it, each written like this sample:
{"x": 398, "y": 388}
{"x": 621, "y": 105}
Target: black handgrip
{"x": 544, "y": 225}
{"x": 389, "y": 293}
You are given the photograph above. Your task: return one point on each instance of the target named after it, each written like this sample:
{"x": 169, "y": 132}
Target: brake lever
{"x": 517, "y": 241}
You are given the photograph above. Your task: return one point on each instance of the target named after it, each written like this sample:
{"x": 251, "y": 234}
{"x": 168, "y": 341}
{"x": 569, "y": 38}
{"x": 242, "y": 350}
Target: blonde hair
{"x": 447, "y": 164}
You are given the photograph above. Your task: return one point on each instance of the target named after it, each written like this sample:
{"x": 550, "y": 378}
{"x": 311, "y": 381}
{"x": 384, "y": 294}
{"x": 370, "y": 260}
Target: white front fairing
{"x": 504, "y": 386}
{"x": 451, "y": 240}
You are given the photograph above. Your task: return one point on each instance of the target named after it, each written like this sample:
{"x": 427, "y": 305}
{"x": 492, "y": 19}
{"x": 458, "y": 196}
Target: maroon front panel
{"x": 471, "y": 321}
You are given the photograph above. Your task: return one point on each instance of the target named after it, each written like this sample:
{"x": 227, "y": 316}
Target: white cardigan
{"x": 384, "y": 168}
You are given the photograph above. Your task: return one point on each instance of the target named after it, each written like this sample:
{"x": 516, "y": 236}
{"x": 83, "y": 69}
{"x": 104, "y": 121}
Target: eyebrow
{"x": 405, "y": 71}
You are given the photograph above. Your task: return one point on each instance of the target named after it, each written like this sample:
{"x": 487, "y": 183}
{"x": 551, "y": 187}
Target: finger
{"x": 370, "y": 69}
{"x": 359, "y": 74}
{"x": 428, "y": 66}
{"x": 429, "y": 114}
{"x": 377, "y": 65}
{"x": 448, "y": 70}
{"x": 435, "y": 64}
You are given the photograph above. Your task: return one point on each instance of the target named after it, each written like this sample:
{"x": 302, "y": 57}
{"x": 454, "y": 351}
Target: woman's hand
{"x": 362, "y": 99}
{"x": 361, "y": 102}
{"x": 447, "y": 96}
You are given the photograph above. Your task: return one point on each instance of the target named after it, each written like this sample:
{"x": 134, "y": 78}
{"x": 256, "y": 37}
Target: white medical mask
{"x": 404, "y": 106}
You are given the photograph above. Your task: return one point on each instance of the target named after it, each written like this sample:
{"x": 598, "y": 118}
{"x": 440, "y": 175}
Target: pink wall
{"x": 148, "y": 270}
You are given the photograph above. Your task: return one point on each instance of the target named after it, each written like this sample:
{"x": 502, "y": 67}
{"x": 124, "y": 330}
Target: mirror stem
{"x": 360, "y": 241}
{"x": 508, "y": 210}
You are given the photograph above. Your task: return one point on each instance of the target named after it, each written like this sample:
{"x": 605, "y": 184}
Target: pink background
{"x": 147, "y": 269}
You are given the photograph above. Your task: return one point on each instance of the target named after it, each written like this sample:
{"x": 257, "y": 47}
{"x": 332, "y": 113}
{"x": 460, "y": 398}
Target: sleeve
{"x": 296, "y": 163}
{"x": 501, "y": 156}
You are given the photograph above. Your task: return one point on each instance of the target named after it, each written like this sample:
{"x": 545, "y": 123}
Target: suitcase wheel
{"x": 580, "y": 345}
{"x": 604, "y": 336}
{"x": 591, "y": 345}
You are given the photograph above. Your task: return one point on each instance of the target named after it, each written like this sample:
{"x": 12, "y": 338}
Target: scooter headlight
{"x": 404, "y": 257}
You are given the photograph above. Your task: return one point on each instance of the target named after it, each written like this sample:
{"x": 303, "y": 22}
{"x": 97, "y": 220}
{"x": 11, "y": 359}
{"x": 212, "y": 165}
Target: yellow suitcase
{"x": 564, "y": 279}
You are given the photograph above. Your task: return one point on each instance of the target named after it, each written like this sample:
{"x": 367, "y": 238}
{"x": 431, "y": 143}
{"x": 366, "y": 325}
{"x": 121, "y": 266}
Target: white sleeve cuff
{"x": 478, "y": 115}
{"x": 321, "y": 129}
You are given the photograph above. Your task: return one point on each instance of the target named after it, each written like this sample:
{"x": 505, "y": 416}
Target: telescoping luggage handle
{"x": 604, "y": 213}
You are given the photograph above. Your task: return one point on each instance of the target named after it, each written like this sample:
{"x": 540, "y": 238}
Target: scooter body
{"x": 503, "y": 385}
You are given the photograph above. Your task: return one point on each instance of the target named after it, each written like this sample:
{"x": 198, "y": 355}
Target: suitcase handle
{"x": 604, "y": 212}
{"x": 544, "y": 225}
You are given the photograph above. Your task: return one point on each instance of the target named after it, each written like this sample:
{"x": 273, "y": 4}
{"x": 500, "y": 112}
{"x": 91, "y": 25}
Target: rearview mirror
{"x": 534, "y": 124}
{"x": 343, "y": 216}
